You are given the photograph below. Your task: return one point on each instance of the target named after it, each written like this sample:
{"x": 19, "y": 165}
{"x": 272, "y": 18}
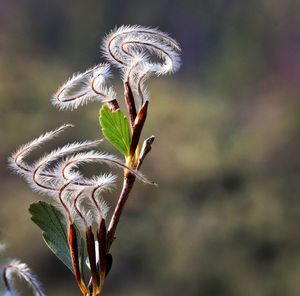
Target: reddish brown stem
{"x": 127, "y": 186}
{"x": 129, "y": 99}
{"x": 113, "y": 105}
{"x": 129, "y": 178}
{"x": 138, "y": 127}
{"x": 101, "y": 235}
{"x": 72, "y": 239}
{"x": 90, "y": 243}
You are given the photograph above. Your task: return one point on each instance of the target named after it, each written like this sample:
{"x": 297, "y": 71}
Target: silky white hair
{"x": 138, "y": 51}
{"x": 131, "y": 48}
{"x": 17, "y": 268}
{"x": 57, "y": 175}
{"x": 85, "y": 87}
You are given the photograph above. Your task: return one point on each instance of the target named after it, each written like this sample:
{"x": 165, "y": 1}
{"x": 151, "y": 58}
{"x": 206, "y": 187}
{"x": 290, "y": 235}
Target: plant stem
{"x": 72, "y": 240}
{"x": 138, "y": 127}
{"x": 137, "y": 121}
{"x": 129, "y": 100}
{"x": 113, "y": 105}
{"x": 90, "y": 243}
{"x": 101, "y": 236}
{"x": 128, "y": 183}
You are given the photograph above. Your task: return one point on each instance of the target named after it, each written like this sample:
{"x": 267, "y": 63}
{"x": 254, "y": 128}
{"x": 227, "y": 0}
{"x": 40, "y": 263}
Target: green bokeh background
{"x": 225, "y": 218}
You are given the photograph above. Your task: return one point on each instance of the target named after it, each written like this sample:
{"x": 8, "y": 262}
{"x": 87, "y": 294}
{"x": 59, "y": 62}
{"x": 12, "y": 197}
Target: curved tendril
{"x": 35, "y": 177}
{"x": 22, "y": 153}
{"x": 104, "y": 159}
{"x": 97, "y": 92}
{"x": 96, "y": 202}
{"x": 146, "y": 44}
{"x": 60, "y": 195}
{"x": 66, "y": 87}
{"x": 77, "y": 209}
{"x": 138, "y": 31}
{"x": 140, "y": 91}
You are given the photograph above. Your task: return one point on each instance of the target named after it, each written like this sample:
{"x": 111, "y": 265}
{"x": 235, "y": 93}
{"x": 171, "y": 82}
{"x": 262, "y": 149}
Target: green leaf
{"x": 52, "y": 223}
{"x": 115, "y": 128}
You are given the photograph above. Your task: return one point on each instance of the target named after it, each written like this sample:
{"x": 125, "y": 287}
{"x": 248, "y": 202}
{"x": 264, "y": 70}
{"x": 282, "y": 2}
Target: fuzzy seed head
{"x": 58, "y": 176}
{"x": 85, "y": 87}
{"x": 17, "y": 268}
{"x": 141, "y": 52}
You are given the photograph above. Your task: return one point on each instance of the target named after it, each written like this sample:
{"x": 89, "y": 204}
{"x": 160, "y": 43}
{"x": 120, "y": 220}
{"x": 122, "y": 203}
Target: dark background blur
{"x": 225, "y": 218}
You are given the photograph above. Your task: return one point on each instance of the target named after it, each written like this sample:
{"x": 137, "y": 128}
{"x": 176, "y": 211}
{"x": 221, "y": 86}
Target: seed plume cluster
{"x": 132, "y": 49}
{"x": 139, "y": 52}
{"x": 15, "y": 268}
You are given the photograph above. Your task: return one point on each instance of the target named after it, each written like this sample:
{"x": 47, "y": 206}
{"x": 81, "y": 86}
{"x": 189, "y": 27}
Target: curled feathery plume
{"x": 85, "y": 87}
{"x": 16, "y": 161}
{"x": 68, "y": 166}
{"x": 87, "y": 207}
{"x": 39, "y": 175}
{"x": 21, "y": 270}
{"x": 131, "y": 48}
{"x": 139, "y": 52}
{"x": 57, "y": 175}
{"x": 123, "y": 45}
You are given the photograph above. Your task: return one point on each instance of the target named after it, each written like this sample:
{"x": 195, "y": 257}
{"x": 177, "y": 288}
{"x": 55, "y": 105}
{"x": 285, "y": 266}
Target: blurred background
{"x": 225, "y": 218}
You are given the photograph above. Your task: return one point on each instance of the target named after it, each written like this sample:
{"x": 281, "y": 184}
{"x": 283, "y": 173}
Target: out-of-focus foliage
{"x": 225, "y": 218}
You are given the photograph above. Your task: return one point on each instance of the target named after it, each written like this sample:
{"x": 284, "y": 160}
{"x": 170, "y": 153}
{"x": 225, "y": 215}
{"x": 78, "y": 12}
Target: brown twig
{"x": 127, "y": 186}
{"x": 73, "y": 246}
{"x": 90, "y": 243}
{"x": 101, "y": 236}
{"x": 137, "y": 122}
{"x": 113, "y": 105}
{"x": 129, "y": 99}
{"x": 138, "y": 127}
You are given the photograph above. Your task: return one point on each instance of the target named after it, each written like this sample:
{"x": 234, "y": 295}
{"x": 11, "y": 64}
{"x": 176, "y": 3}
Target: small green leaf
{"x": 115, "y": 128}
{"x": 52, "y": 223}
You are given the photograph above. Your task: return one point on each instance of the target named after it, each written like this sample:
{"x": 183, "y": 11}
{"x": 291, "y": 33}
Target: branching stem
{"x": 137, "y": 121}
{"x": 73, "y": 246}
{"x": 127, "y": 187}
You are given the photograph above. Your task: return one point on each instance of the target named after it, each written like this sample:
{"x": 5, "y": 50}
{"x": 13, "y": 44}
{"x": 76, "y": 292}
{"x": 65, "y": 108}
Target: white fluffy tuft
{"x": 57, "y": 175}
{"x": 131, "y": 48}
{"x": 16, "y": 161}
{"x": 83, "y": 88}
{"x": 70, "y": 164}
{"x": 15, "y": 267}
